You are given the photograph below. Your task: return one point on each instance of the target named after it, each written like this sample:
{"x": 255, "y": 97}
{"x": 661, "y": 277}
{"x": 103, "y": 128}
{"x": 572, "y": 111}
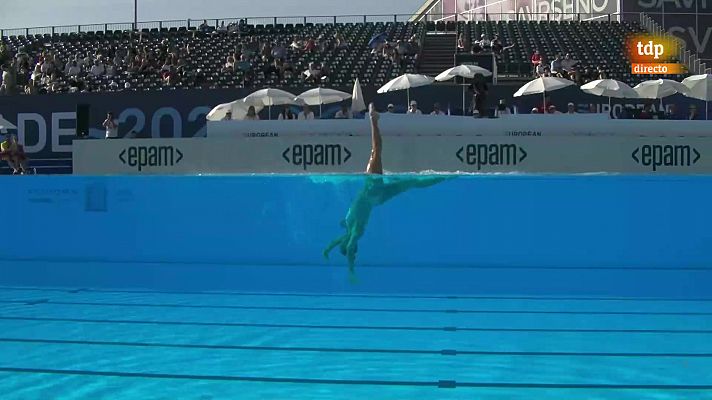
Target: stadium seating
{"x": 593, "y": 44}
{"x": 210, "y": 50}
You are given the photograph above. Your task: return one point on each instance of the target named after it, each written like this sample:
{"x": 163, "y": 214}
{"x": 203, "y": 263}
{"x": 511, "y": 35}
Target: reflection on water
{"x": 377, "y": 190}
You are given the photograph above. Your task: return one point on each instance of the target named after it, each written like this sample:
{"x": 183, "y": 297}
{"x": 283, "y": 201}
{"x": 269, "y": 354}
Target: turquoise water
{"x": 497, "y": 287}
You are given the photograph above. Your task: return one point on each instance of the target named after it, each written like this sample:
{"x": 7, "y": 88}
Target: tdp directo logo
{"x": 651, "y": 54}
{"x": 657, "y": 156}
{"x": 140, "y": 157}
{"x": 307, "y": 155}
{"x": 483, "y": 155}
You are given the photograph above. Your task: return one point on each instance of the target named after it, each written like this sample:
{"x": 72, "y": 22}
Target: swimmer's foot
{"x": 353, "y": 279}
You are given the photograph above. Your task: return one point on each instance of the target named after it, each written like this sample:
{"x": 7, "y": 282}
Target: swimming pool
{"x": 497, "y": 287}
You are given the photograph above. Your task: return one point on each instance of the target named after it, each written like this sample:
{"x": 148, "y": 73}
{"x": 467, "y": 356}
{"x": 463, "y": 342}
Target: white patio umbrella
{"x": 358, "y": 103}
{"x": 238, "y": 108}
{"x": 659, "y": 88}
{"x": 269, "y": 97}
{"x": 406, "y": 82}
{"x": 610, "y": 88}
{"x": 699, "y": 87}
{"x": 543, "y": 85}
{"x": 320, "y": 95}
{"x": 463, "y": 71}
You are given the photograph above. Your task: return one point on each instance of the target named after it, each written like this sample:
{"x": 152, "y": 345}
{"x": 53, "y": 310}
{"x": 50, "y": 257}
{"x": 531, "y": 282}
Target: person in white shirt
{"x": 110, "y": 69}
{"x": 391, "y": 109}
{"x": 552, "y": 110}
{"x": 413, "y": 109}
{"x": 305, "y": 114}
{"x": 112, "y": 126}
{"x": 344, "y": 113}
{"x": 286, "y": 114}
{"x": 571, "y": 108}
{"x": 502, "y": 109}
{"x": 97, "y": 69}
{"x": 436, "y": 110}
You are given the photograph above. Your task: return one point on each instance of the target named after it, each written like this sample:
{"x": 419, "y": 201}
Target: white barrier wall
{"x": 349, "y": 154}
{"x": 427, "y": 125}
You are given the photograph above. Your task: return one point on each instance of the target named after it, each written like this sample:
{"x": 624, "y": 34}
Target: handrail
{"x": 304, "y": 19}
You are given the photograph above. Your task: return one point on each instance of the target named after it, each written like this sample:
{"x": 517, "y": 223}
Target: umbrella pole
{"x": 544, "y": 103}
{"x": 408, "y": 91}
{"x": 269, "y": 110}
{"x": 464, "y": 112}
{"x": 707, "y": 110}
{"x": 319, "y": 110}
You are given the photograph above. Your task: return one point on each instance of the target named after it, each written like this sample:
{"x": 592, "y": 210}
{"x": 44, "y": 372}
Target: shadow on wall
{"x": 376, "y": 191}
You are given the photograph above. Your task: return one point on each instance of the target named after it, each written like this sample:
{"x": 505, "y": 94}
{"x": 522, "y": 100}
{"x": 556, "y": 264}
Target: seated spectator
{"x": 600, "y": 73}
{"x": 306, "y": 113}
{"x": 228, "y": 116}
{"x": 627, "y": 113}
{"x": 279, "y": 52}
{"x": 222, "y": 28}
{"x": 391, "y": 109}
{"x": 485, "y": 42}
{"x": 113, "y": 86}
{"x": 536, "y": 60}
{"x": 310, "y": 45}
{"x": 502, "y": 109}
{"x": 544, "y": 106}
{"x": 9, "y": 79}
{"x": 204, "y": 27}
{"x": 110, "y": 69}
{"x": 568, "y": 64}
{"x": 229, "y": 66}
{"x": 535, "y": 111}
{"x": 592, "y": 109}
{"x": 693, "y": 115}
{"x": 287, "y": 114}
{"x": 73, "y": 69}
{"x": 172, "y": 78}
{"x": 436, "y": 110}
{"x": 341, "y": 43}
{"x": 14, "y": 153}
{"x": 541, "y": 68}
{"x": 273, "y": 68}
{"x": 251, "y": 114}
{"x": 571, "y": 108}
{"x": 4, "y": 52}
{"x": 413, "y": 109}
{"x": 401, "y": 48}
{"x": 344, "y": 113}
{"x": 552, "y": 110}
{"x": 98, "y": 69}
{"x": 461, "y": 42}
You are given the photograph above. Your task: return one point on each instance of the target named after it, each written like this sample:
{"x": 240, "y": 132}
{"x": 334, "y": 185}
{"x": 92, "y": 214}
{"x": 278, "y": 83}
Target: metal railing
{"x": 688, "y": 58}
{"x": 212, "y": 23}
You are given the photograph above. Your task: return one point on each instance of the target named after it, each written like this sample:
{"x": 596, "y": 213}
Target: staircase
{"x": 438, "y": 53}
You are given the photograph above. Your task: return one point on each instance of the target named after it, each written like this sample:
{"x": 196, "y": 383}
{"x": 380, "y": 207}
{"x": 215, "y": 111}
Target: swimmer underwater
{"x": 374, "y": 193}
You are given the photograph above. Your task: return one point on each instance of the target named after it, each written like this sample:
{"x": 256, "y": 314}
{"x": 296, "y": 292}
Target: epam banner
{"x": 349, "y": 154}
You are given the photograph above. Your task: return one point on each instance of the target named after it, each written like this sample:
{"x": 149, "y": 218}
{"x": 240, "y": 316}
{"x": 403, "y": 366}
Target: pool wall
{"x": 602, "y": 235}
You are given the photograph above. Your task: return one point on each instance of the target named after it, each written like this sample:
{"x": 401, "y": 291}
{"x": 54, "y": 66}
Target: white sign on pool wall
{"x": 349, "y": 154}
{"x": 427, "y": 125}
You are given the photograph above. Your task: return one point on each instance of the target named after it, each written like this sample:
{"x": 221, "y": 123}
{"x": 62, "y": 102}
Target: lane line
{"x": 356, "y": 350}
{"x": 443, "y": 384}
{"x": 361, "y": 327}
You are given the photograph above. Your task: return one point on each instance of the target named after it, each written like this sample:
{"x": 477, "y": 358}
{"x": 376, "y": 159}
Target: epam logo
{"x": 307, "y": 155}
{"x": 140, "y": 157}
{"x": 658, "y": 155}
{"x": 483, "y": 155}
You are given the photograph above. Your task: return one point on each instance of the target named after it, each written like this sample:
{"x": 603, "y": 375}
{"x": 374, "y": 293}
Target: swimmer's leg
{"x": 393, "y": 189}
{"x": 351, "y": 250}
{"x": 341, "y": 241}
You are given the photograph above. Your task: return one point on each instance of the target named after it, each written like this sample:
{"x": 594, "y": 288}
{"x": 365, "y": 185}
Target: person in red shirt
{"x": 646, "y": 113}
{"x": 536, "y": 60}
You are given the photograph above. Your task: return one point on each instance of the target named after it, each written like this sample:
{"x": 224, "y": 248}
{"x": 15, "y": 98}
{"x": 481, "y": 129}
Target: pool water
{"x": 497, "y": 287}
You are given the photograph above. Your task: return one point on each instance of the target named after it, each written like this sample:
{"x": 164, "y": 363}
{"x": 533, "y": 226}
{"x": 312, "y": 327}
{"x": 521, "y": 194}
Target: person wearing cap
{"x": 552, "y": 110}
{"x": 391, "y": 109}
{"x": 413, "y": 109}
{"x": 571, "y": 108}
{"x": 437, "y": 110}
{"x": 535, "y": 110}
{"x": 14, "y": 153}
